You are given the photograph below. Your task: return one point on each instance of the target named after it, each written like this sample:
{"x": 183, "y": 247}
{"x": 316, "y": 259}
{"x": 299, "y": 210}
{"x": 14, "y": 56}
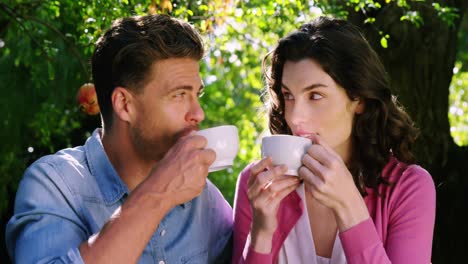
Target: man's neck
{"x": 123, "y": 157}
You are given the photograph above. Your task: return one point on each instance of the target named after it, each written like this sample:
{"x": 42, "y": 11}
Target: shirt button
{"x": 161, "y": 262}
{"x": 163, "y": 232}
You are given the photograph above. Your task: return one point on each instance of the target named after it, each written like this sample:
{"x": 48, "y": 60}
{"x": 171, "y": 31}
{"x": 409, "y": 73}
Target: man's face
{"x": 168, "y": 107}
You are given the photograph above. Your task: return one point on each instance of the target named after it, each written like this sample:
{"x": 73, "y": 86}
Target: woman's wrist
{"x": 261, "y": 241}
{"x": 351, "y": 213}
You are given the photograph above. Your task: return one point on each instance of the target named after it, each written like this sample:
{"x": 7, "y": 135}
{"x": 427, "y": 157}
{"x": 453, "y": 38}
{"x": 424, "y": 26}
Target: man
{"x": 137, "y": 190}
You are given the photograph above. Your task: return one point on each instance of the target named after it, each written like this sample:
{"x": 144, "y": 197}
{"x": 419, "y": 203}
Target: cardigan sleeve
{"x": 411, "y": 218}
{"x": 243, "y": 252}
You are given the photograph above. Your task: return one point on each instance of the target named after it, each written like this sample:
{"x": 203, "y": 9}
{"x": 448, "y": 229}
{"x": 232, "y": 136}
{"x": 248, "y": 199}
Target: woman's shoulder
{"x": 407, "y": 180}
{"x": 400, "y": 173}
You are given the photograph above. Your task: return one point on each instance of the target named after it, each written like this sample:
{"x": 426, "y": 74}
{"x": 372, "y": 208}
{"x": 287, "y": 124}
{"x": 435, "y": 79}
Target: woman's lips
{"x": 304, "y": 134}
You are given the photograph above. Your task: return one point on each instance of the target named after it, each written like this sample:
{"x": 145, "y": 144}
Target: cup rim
{"x": 217, "y": 127}
{"x": 286, "y": 136}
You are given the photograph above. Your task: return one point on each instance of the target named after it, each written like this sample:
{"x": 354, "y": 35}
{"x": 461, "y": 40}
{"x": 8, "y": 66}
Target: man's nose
{"x": 195, "y": 114}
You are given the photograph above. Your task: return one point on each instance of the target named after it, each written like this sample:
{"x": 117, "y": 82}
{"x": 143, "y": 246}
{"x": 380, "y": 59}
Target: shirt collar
{"x": 111, "y": 185}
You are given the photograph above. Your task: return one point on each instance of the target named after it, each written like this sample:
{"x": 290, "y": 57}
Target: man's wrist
{"x": 152, "y": 201}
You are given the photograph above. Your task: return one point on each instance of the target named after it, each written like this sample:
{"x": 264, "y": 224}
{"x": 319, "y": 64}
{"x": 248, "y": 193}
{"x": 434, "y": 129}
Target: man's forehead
{"x": 176, "y": 65}
{"x": 176, "y": 72}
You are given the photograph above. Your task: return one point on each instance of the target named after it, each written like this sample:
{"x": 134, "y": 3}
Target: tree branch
{"x": 18, "y": 17}
{"x": 70, "y": 45}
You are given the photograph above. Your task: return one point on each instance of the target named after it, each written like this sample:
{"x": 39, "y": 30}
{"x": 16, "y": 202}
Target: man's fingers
{"x": 195, "y": 141}
{"x": 207, "y": 156}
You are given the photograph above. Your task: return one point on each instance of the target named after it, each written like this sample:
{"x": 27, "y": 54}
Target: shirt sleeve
{"x": 242, "y": 223}
{"x": 411, "y": 219}
{"x": 45, "y": 226}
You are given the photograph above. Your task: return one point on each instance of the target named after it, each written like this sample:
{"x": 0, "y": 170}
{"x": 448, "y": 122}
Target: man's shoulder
{"x": 215, "y": 198}
{"x": 64, "y": 163}
{"x": 68, "y": 168}
{"x": 65, "y": 157}
{"x": 212, "y": 190}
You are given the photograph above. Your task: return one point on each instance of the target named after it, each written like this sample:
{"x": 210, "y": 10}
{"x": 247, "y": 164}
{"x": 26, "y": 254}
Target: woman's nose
{"x": 297, "y": 114}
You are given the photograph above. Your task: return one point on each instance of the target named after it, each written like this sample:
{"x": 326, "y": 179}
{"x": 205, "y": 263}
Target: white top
{"x": 299, "y": 245}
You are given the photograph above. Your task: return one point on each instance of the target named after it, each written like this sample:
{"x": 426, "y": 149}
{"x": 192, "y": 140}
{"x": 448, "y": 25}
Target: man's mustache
{"x": 186, "y": 131}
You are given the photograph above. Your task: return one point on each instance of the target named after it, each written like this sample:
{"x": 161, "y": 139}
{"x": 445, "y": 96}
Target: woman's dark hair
{"x": 126, "y": 52}
{"x": 382, "y": 130}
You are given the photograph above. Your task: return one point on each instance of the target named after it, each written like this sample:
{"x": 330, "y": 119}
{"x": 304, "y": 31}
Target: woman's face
{"x": 315, "y": 103}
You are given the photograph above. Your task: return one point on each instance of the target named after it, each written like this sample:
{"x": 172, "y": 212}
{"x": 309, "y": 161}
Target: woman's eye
{"x": 287, "y": 96}
{"x": 315, "y": 96}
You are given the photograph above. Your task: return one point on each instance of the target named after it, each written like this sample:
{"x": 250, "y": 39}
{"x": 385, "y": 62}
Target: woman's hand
{"x": 267, "y": 186}
{"x": 329, "y": 181}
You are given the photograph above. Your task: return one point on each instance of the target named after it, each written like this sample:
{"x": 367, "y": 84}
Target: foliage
{"x": 458, "y": 112}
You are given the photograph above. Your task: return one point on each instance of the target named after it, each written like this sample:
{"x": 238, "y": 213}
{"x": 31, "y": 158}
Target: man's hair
{"x": 126, "y": 52}
{"x": 383, "y": 128}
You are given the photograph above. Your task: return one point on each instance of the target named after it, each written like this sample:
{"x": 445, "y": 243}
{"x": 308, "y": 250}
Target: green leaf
{"x": 383, "y": 42}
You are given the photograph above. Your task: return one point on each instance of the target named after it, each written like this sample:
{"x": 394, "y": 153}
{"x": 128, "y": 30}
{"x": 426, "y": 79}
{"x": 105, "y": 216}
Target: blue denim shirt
{"x": 65, "y": 198}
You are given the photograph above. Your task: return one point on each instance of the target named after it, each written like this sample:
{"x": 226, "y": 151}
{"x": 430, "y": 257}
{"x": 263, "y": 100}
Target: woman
{"x": 358, "y": 197}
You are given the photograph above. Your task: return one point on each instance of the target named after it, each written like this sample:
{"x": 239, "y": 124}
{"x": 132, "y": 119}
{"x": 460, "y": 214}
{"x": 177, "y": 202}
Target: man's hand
{"x": 181, "y": 174}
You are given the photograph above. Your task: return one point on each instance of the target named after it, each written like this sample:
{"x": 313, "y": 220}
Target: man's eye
{"x": 180, "y": 94}
{"x": 200, "y": 93}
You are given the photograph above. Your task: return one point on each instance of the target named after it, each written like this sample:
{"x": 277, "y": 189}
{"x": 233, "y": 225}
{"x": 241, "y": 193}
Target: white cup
{"x": 286, "y": 149}
{"x": 224, "y": 140}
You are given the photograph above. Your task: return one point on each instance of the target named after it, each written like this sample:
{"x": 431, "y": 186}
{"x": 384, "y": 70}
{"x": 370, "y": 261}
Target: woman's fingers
{"x": 281, "y": 194}
{"x": 264, "y": 179}
{"x": 321, "y": 149}
{"x": 257, "y": 168}
{"x": 314, "y": 166}
{"x": 312, "y": 179}
{"x": 267, "y": 198}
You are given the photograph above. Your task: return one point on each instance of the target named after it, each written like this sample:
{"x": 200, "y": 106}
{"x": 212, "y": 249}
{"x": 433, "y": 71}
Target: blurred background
{"x": 46, "y": 46}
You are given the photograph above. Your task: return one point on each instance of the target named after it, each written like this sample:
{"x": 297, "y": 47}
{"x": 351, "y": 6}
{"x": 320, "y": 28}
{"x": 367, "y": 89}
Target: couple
{"x": 137, "y": 190}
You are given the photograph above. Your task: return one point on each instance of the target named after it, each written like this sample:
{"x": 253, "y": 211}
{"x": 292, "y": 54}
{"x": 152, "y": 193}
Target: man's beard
{"x": 154, "y": 149}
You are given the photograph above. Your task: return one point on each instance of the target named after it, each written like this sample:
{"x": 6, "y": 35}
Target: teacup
{"x": 286, "y": 149}
{"x": 224, "y": 140}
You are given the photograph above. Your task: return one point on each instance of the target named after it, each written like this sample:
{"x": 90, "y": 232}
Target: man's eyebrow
{"x": 307, "y": 88}
{"x": 185, "y": 87}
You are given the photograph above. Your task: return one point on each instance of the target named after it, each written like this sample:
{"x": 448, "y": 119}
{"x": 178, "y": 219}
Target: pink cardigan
{"x": 399, "y": 230}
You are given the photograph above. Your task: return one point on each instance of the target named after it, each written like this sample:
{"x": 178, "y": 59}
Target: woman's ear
{"x": 122, "y": 102}
{"x": 360, "y": 106}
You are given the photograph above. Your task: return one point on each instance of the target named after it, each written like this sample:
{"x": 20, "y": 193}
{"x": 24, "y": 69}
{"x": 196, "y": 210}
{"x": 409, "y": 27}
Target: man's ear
{"x": 122, "y": 102}
{"x": 361, "y": 106}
